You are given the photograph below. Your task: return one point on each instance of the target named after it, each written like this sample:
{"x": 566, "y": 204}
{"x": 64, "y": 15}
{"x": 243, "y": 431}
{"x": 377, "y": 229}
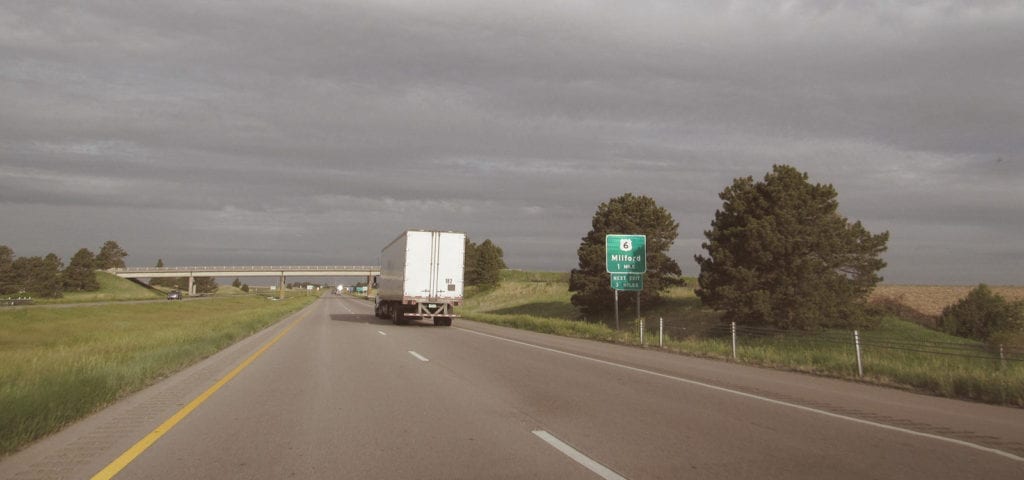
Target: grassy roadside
{"x": 60, "y": 364}
{"x": 116, "y": 289}
{"x": 112, "y": 289}
{"x": 540, "y": 302}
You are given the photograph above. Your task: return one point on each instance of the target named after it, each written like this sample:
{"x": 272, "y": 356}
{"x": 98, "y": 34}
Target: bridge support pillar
{"x": 280, "y": 287}
{"x": 191, "y": 285}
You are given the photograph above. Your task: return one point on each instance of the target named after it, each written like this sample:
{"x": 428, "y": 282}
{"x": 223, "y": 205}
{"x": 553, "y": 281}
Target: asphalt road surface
{"x": 333, "y": 392}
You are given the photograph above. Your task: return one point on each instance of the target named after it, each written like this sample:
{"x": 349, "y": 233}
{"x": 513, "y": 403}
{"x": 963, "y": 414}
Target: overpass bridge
{"x": 281, "y": 272}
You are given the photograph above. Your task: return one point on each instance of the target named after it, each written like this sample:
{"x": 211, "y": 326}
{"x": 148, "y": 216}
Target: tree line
{"x": 48, "y": 277}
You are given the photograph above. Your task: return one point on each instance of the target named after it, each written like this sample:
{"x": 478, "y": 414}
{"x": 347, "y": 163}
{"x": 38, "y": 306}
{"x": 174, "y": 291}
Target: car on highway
{"x": 174, "y": 295}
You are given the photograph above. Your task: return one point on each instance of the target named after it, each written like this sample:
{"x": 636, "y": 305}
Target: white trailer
{"x": 421, "y": 277}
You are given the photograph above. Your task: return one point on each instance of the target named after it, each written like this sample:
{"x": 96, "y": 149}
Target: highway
{"x": 333, "y": 392}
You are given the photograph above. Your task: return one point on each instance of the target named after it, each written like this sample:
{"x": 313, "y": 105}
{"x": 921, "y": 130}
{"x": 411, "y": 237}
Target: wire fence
{"x": 739, "y": 337}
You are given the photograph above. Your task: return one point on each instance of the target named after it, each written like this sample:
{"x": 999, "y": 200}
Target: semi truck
{"x": 421, "y": 277}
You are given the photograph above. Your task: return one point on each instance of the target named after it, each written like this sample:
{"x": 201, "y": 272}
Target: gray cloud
{"x": 313, "y": 132}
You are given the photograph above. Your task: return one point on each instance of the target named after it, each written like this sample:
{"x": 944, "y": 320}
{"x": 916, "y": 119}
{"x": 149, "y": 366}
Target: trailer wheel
{"x": 442, "y": 322}
{"x": 396, "y": 315}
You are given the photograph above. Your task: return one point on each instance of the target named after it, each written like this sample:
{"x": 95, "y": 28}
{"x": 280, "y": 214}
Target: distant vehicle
{"x": 174, "y": 295}
{"x": 421, "y": 277}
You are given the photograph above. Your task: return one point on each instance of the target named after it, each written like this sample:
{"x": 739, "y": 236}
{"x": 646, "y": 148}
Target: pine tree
{"x": 80, "y": 275}
{"x": 626, "y": 214}
{"x": 48, "y": 283}
{"x": 489, "y": 263}
{"x": 37, "y": 275}
{"x": 779, "y": 254}
{"x": 8, "y": 284}
{"x": 111, "y": 256}
{"x": 205, "y": 284}
{"x": 471, "y": 264}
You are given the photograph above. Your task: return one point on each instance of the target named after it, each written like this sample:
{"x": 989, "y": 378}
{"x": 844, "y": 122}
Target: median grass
{"x": 540, "y": 302}
{"x": 60, "y": 364}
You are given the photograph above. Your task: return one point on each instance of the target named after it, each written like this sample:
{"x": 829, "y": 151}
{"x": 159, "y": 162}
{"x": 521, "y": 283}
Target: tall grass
{"x": 60, "y": 364}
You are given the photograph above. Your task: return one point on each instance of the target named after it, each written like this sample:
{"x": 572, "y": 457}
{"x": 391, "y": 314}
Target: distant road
{"x": 342, "y": 394}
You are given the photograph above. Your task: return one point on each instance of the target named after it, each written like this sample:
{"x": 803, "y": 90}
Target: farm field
{"x": 925, "y": 302}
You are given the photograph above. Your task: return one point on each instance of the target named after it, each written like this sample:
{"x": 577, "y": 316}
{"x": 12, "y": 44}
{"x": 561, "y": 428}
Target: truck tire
{"x": 442, "y": 322}
{"x": 396, "y": 316}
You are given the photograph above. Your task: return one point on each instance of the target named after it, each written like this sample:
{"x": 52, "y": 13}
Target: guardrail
{"x": 10, "y": 302}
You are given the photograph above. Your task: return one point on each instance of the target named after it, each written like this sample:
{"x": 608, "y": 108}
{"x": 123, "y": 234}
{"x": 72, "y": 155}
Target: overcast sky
{"x": 314, "y": 132}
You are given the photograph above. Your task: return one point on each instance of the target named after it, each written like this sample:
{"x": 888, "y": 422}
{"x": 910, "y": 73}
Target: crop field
{"x": 924, "y": 303}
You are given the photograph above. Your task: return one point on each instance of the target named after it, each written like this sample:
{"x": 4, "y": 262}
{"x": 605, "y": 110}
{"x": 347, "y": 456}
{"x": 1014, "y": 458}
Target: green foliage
{"x": 982, "y": 315}
{"x": 483, "y": 264}
{"x": 46, "y": 277}
{"x": 81, "y": 273}
{"x": 470, "y": 268}
{"x": 780, "y": 254}
{"x": 8, "y": 284}
{"x": 48, "y": 283}
{"x": 112, "y": 289}
{"x": 626, "y": 214}
{"x": 111, "y": 256}
{"x": 204, "y": 284}
{"x": 37, "y": 275}
{"x": 237, "y": 283}
{"x": 245, "y": 287}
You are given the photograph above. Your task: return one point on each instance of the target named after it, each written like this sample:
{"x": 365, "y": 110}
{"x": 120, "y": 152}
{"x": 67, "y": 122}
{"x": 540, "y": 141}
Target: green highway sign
{"x": 631, "y": 282}
{"x": 625, "y": 253}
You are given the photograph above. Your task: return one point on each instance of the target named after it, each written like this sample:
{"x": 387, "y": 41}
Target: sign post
{"x": 626, "y": 261}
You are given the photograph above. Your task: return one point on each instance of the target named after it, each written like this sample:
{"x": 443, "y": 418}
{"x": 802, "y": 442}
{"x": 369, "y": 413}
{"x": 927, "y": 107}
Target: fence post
{"x": 1002, "y": 358}
{"x": 661, "y": 332}
{"x": 856, "y": 343}
{"x": 641, "y": 331}
{"x": 734, "y": 340}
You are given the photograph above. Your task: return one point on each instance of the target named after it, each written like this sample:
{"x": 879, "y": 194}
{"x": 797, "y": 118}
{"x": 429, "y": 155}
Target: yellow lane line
{"x": 129, "y": 455}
